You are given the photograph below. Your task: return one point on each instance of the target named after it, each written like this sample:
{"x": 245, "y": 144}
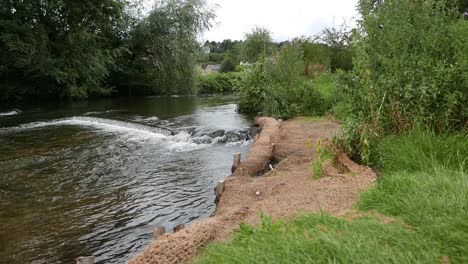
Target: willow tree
{"x": 164, "y": 46}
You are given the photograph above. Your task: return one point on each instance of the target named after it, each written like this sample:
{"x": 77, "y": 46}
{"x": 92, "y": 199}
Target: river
{"x": 96, "y": 177}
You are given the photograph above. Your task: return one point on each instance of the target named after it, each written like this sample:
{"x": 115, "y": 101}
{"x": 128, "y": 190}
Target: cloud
{"x": 285, "y": 19}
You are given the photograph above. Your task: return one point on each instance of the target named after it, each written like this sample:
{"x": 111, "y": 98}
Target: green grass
{"x": 317, "y": 169}
{"x": 423, "y": 151}
{"x": 423, "y": 186}
{"x": 319, "y": 238}
{"x": 323, "y": 154}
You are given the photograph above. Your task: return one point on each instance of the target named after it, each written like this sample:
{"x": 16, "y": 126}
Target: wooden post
{"x": 85, "y": 260}
{"x": 236, "y": 162}
{"x": 219, "y": 188}
{"x": 158, "y": 232}
{"x": 177, "y": 228}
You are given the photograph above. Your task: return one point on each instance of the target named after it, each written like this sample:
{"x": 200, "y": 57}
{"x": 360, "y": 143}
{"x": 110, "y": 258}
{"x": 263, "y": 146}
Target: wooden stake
{"x": 158, "y": 232}
{"x": 236, "y": 162}
{"x": 219, "y": 188}
{"x": 85, "y": 260}
{"x": 177, "y": 228}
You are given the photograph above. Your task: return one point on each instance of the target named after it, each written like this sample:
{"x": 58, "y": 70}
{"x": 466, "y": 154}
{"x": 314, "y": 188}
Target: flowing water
{"x": 95, "y": 178}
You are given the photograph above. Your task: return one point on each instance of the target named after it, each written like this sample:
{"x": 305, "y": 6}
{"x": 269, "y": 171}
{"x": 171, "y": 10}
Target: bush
{"x": 229, "y": 62}
{"x": 419, "y": 80}
{"x": 276, "y": 86}
{"x": 217, "y": 83}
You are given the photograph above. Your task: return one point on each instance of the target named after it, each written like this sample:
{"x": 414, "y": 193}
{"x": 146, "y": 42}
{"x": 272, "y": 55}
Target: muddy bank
{"x": 285, "y": 189}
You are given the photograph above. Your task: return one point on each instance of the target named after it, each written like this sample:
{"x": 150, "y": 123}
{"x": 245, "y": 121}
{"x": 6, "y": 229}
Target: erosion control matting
{"x": 284, "y": 191}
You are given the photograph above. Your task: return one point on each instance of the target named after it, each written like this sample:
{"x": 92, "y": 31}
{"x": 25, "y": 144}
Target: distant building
{"x": 206, "y": 49}
{"x": 213, "y": 67}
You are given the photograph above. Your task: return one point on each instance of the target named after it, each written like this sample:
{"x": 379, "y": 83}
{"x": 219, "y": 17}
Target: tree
{"x": 164, "y": 44}
{"x": 338, "y": 39}
{"x": 316, "y": 56}
{"x": 258, "y": 42}
{"x": 229, "y": 63}
{"x": 59, "y": 48}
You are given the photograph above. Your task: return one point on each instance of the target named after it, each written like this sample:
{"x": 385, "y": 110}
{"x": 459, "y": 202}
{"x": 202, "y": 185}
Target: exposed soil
{"x": 285, "y": 191}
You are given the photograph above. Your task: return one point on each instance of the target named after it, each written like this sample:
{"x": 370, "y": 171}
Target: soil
{"x": 282, "y": 154}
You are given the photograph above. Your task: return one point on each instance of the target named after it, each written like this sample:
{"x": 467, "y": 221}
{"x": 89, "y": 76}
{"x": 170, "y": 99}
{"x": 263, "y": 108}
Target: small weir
{"x": 97, "y": 181}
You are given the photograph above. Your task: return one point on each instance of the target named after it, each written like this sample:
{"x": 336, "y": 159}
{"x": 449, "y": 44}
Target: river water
{"x": 96, "y": 177}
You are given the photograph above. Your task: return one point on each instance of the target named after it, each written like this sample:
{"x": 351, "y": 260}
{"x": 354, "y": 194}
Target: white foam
{"x": 92, "y": 113}
{"x": 10, "y": 113}
{"x": 128, "y": 131}
{"x": 100, "y": 123}
{"x": 242, "y": 143}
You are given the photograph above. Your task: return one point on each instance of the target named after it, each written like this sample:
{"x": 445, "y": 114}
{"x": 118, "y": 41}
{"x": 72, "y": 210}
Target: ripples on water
{"x": 98, "y": 183}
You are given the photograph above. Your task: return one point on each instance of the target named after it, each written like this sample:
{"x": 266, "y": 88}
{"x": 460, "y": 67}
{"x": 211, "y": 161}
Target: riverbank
{"x": 416, "y": 213}
{"x": 284, "y": 190}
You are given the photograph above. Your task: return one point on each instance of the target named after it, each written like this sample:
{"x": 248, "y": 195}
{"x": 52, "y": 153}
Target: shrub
{"x": 411, "y": 70}
{"x": 276, "y": 86}
{"x": 217, "y": 83}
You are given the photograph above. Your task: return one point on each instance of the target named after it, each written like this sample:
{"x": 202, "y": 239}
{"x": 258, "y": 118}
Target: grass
{"x": 323, "y": 154}
{"x": 423, "y": 186}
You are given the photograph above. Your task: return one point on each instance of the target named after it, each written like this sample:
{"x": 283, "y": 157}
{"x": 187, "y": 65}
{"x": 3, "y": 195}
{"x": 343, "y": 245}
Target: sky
{"x": 286, "y": 19}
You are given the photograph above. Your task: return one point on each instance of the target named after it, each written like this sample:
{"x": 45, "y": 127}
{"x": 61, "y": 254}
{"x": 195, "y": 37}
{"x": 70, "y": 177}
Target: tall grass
{"x": 423, "y": 187}
{"x": 423, "y": 150}
{"x": 425, "y": 184}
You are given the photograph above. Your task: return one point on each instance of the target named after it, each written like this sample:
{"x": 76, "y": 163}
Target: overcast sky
{"x": 284, "y": 18}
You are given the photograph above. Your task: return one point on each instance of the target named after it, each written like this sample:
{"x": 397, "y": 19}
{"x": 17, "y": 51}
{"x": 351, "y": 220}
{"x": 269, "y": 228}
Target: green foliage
{"x": 225, "y": 53}
{"x": 338, "y": 41}
{"x": 163, "y": 45}
{"x": 250, "y": 87}
{"x": 66, "y": 53}
{"x": 405, "y": 82}
{"x": 257, "y": 43}
{"x": 316, "y": 56}
{"x": 277, "y": 86}
{"x": 229, "y": 62}
{"x": 323, "y": 154}
{"x": 74, "y": 49}
{"x": 218, "y": 83}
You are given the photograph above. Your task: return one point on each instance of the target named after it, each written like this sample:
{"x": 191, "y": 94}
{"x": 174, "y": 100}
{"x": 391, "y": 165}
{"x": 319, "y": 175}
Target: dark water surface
{"x": 95, "y": 178}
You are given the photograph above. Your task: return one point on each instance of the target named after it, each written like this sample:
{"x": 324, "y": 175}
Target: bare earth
{"x": 285, "y": 191}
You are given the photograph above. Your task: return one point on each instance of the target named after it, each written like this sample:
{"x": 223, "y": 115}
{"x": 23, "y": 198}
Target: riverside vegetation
{"x": 67, "y": 49}
{"x": 404, "y": 111}
{"x": 398, "y": 83}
